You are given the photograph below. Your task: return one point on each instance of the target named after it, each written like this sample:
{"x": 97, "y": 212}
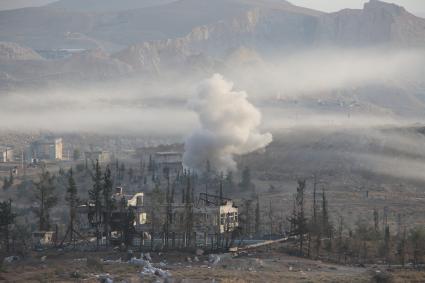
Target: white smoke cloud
{"x": 229, "y": 126}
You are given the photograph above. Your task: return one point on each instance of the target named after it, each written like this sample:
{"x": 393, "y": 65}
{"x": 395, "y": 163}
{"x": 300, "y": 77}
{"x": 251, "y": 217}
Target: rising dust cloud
{"x": 229, "y": 126}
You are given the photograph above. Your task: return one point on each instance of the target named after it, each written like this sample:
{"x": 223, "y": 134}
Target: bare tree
{"x": 298, "y": 219}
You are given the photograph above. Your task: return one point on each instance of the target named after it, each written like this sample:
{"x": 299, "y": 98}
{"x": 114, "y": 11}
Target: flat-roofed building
{"x": 46, "y": 149}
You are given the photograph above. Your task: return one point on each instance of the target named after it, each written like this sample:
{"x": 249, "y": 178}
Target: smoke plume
{"x": 229, "y": 126}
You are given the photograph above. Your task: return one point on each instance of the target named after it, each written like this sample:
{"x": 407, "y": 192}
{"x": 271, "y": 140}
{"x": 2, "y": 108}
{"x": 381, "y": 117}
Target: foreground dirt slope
{"x": 256, "y": 267}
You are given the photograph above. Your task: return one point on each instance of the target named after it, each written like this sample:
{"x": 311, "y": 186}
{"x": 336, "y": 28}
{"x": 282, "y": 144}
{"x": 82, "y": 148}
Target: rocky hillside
{"x": 191, "y": 34}
{"x": 269, "y": 28}
{"x": 102, "y": 6}
{"x": 205, "y": 23}
{"x": 377, "y": 23}
{"x": 13, "y": 51}
{"x": 23, "y": 67}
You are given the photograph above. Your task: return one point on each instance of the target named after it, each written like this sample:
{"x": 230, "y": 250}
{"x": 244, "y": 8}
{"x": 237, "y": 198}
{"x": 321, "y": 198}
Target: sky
{"x": 415, "y": 6}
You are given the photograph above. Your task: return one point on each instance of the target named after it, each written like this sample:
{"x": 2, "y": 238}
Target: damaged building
{"x": 139, "y": 222}
{"x": 202, "y": 222}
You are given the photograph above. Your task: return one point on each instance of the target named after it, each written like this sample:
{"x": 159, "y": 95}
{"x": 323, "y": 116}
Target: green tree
{"x": 122, "y": 172}
{"x": 72, "y": 200}
{"x": 376, "y": 219}
{"x": 387, "y": 244}
{"x": 7, "y": 218}
{"x": 229, "y": 179}
{"x": 298, "y": 220}
{"x": 417, "y": 242}
{"x": 76, "y": 155}
{"x": 11, "y": 179}
{"x": 326, "y": 224}
{"x": 95, "y": 195}
{"x": 107, "y": 202}
{"x": 128, "y": 227}
{"x": 131, "y": 174}
{"x": 46, "y": 199}
{"x": 246, "y": 183}
{"x": 401, "y": 247}
{"x": 6, "y": 184}
{"x": 257, "y": 216}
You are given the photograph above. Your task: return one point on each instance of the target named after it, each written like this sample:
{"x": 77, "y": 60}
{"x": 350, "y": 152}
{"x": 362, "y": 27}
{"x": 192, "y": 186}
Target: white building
{"x": 6, "y": 154}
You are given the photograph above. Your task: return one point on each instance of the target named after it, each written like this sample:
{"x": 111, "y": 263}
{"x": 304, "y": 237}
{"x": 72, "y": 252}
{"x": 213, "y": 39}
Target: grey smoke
{"x": 228, "y": 126}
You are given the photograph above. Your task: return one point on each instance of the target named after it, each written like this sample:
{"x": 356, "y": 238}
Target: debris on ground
{"x": 150, "y": 270}
{"x": 199, "y": 252}
{"x": 138, "y": 261}
{"x": 75, "y": 275}
{"x": 214, "y": 259}
{"x": 382, "y": 276}
{"x": 111, "y": 261}
{"x": 105, "y": 278}
{"x": 146, "y": 256}
{"x": 11, "y": 259}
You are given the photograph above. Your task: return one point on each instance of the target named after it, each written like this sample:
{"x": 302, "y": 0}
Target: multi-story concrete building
{"x": 46, "y": 149}
{"x": 208, "y": 218}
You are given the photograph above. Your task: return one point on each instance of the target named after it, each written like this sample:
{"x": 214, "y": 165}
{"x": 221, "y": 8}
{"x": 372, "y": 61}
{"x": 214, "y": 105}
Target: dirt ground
{"x": 264, "y": 266}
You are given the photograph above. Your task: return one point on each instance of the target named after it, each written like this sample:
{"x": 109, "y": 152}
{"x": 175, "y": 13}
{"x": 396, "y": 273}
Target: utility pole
{"x": 270, "y": 218}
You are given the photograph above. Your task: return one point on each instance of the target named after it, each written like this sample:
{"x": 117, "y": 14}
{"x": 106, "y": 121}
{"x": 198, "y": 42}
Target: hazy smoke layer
{"x": 229, "y": 126}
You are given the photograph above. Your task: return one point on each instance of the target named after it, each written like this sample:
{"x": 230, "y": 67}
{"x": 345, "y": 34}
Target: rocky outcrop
{"x": 13, "y": 51}
{"x": 95, "y": 64}
{"x": 266, "y": 30}
{"x": 102, "y": 6}
{"x": 378, "y": 23}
